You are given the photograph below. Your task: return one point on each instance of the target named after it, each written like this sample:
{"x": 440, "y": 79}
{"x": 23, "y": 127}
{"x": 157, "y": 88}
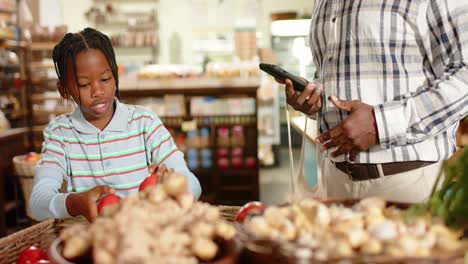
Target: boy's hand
{"x": 308, "y": 101}
{"x": 85, "y": 203}
{"x": 160, "y": 170}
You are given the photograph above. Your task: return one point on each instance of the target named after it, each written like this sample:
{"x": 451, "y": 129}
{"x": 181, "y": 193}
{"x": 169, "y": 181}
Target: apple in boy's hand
{"x": 149, "y": 181}
{"x": 32, "y": 157}
{"x": 249, "y": 208}
{"x": 32, "y": 255}
{"x": 106, "y": 200}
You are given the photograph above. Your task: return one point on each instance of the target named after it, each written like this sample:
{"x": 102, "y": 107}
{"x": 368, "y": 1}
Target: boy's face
{"x": 96, "y": 86}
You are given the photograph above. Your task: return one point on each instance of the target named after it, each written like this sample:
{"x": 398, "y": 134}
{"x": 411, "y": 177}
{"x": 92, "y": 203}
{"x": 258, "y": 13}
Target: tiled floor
{"x": 274, "y": 182}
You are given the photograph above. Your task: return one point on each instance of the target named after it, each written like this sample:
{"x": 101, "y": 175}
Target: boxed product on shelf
{"x": 155, "y": 104}
{"x": 207, "y": 105}
{"x": 223, "y": 137}
{"x": 234, "y": 69}
{"x": 169, "y": 71}
{"x": 202, "y": 105}
{"x": 174, "y": 105}
{"x": 237, "y": 136}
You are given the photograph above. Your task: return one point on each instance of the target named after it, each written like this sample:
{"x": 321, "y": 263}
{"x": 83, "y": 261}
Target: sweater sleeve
{"x": 46, "y": 201}
{"x": 163, "y": 150}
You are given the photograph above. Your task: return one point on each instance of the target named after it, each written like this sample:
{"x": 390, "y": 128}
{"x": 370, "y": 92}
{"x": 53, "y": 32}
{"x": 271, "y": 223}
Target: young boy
{"x": 104, "y": 146}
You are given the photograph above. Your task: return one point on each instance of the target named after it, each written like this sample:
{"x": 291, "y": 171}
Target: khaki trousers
{"x": 411, "y": 186}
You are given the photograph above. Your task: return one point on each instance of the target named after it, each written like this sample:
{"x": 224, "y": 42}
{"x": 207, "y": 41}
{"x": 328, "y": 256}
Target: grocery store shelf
{"x": 134, "y": 47}
{"x": 7, "y": 11}
{"x": 11, "y": 43}
{"x": 126, "y": 1}
{"x": 45, "y": 46}
{"x": 39, "y": 112}
{"x": 35, "y": 65}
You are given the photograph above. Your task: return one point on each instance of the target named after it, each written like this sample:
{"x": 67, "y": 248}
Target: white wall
{"x": 175, "y": 16}
{"x": 73, "y": 14}
{"x": 272, "y": 6}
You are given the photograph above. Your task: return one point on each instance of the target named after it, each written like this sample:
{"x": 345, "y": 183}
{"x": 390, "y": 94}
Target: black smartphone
{"x": 281, "y": 74}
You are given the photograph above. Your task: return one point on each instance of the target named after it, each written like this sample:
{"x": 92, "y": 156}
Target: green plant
{"x": 450, "y": 201}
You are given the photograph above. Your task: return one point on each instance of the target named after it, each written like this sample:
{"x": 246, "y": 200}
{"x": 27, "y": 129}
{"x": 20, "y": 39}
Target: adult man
{"x": 392, "y": 85}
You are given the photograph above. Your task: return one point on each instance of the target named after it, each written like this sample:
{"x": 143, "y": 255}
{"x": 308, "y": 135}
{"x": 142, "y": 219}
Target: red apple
{"x": 251, "y": 162}
{"x": 149, "y": 181}
{"x": 32, "y": 157}
{"x": 223, "y": 163}
{"x": 43, "y": 261}
{"x": 106, "y": 200}
{"x": 237, "y": 162}
{"x": 249, "y": 208}
{"x": 31, "y": 255}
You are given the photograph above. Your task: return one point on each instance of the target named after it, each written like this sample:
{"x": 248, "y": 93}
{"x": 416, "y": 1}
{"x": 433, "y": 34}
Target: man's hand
{"x": 356, "y": 133}
{"x": 85, "y": 203}
{"x": 308, "y": 101}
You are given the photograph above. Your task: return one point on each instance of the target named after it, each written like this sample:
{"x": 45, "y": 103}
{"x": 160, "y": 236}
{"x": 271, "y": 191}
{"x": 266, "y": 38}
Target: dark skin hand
{"x": 160, "y": 170}
{"x": 356, "y": 133}
{"x": 308, "y": 101}
{"x": 85, "y": 203}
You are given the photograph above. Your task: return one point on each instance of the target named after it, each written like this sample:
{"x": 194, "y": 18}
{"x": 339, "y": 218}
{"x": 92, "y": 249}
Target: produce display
{"x": 312, "y": 229}
{"x": 32, "y": 255}
{"x": 162, "y": 222}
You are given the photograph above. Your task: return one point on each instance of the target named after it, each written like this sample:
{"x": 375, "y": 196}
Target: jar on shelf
{"x": 223, "y": 137}
{"x": 192, "y": 140}
{"x": 204, "y": 137}
{"x": 237, "y": 136}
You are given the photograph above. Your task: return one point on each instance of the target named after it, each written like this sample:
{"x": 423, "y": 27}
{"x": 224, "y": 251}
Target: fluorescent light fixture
{"x": 290, "y": 28}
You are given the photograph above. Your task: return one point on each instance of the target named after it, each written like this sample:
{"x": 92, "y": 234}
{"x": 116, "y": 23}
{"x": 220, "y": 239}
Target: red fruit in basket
{"x": 31, "y": 255}
{"x": 32, "y": 157}
{"x": 106, "y": 200}
{"x": 43, "y": 261}
{"x": 149, "y": 181}
{"x": 249, "y": 208}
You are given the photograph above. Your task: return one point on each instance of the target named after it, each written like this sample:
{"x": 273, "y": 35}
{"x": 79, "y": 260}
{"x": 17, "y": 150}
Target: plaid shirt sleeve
{"x": 443, "y": 37}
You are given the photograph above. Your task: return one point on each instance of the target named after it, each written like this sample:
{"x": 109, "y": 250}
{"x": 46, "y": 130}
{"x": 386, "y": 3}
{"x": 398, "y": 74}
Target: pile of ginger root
{"x": 162, "y": 224}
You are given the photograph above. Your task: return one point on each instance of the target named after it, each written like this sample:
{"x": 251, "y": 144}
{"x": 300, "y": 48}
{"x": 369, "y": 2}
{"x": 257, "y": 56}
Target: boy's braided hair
{"x": 72, "y": 44}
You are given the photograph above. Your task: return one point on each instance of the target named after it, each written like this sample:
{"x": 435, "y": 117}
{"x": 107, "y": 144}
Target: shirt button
{"x": 333, "y": 20}
{"x": 103, "y": 136}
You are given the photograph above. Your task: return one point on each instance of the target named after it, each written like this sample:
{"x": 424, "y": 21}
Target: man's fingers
{"x": 330, "y": 134}
{"x": 279, "y": 81}
{"x": 342, "y": 104}
{"x": 313, "y": 99}
{"x": 338, "y": 141}
{"x": 290, "y": 92}
{"x": 343, "y": 149}
{"x": 353, "y": 154}
{"x": 305, "y": 95}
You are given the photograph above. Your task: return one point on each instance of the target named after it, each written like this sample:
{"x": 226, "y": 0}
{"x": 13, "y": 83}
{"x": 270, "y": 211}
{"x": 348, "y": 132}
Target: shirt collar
{"x": 118, "y": 122}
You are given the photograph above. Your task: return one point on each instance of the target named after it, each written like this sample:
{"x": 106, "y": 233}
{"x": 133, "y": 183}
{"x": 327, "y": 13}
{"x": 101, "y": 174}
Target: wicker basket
{"x": 40, "y": 235}
{"x": 25, "y": 172}
{"x": 44, "y": 233}
{"x": 229, "y": 212}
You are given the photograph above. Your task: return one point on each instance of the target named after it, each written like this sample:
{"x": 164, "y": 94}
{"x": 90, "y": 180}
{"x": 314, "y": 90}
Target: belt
{"x": 363, "y": 172}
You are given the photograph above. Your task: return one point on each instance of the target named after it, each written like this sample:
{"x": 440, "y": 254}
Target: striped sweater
{"x": 118, "y": 156}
